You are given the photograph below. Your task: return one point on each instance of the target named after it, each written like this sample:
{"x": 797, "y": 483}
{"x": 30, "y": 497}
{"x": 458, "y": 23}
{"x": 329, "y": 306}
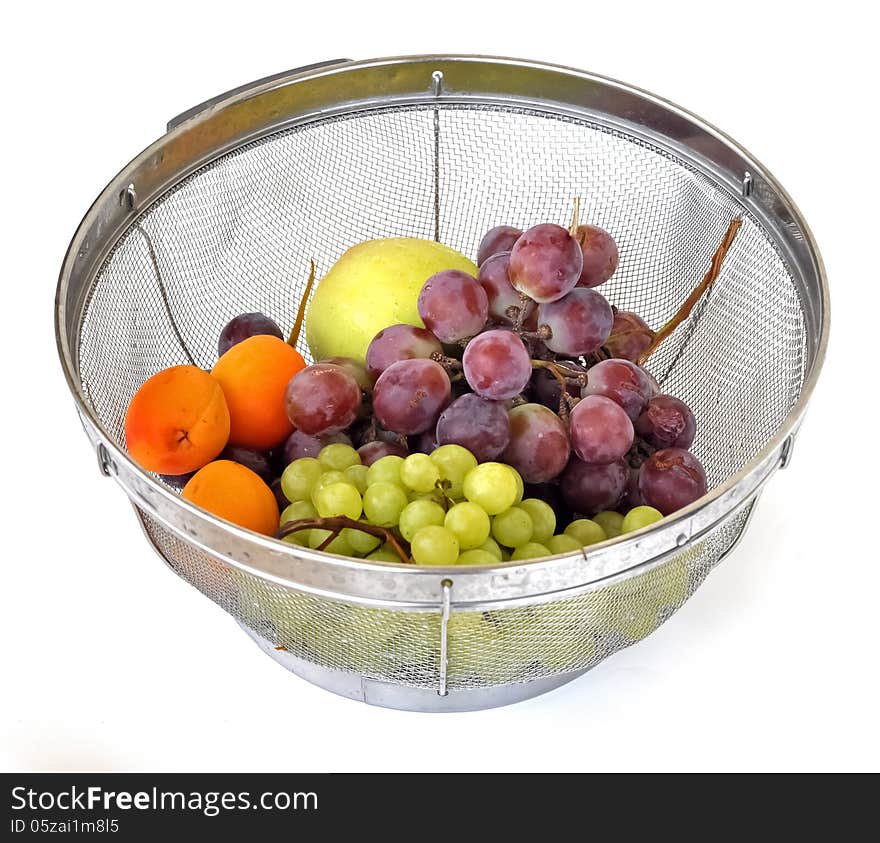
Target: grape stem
{"x": 442, "y": 486}
{"x": 575, "y": 214}
{"x": 543, "y": 333}
{"x": 690, "y": 302}
{"x": 336, "y": 524}
{"x": 449, "y": 363}
{"x": 293, "y": 339}
{"x": 561, "y": 372}
{"x": 521, "y": 312}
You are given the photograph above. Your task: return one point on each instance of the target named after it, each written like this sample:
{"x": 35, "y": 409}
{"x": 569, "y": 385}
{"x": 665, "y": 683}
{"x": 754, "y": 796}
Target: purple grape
{"x": 588, "y": 489}
{"x": 599, "y": 253}
{"x": 476, "y": 424}
{"x": 497, "y": 365}
{"x": 498, "y": 239}
{"x": 300, "y": 444}
{"x": 244, "y": 326}
{"x": 630, "y": 336}
{"x": 671, "y": 479}
{"x": 280, "y": 497}
{"x": 546, "y": 388}
{"x": 378, "y": 448}
{"x": 539, "y": 448}
{"x": 322, "y": 398}
{"x": 601, "y": 432}
{"x": 355, "y": 368}
{"x": 632, "y": 496}
{"x": 502, "y": 296}
{"x": 623, "y": 382}
{"x": 424, "y": 443}
{"x": 410, "y": 395}
{"x": 545, "y": 263}
{"x": 400, "y": 342}
{"x": 256, "y": 461}
{"x": 177, "y": 481}
{"x": 453, "y": 306}
{"x": 667, "y": 422}
{"x": 578, "y": 323}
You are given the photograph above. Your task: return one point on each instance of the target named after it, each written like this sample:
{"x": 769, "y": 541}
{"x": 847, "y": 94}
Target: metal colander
{"x": 223, "y": 213}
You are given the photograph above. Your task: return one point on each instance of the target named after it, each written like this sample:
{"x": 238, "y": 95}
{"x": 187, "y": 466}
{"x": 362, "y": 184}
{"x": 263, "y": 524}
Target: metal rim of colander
{"x": 299, "y": 97}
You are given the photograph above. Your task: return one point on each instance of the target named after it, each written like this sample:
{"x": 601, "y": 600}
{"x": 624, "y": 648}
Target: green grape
{"x": 434, "y": 497}
{"x": 418, "y": 514}
{"x": 361, "y": 543}
{"x": 491, "y": 486}
{"x": 480, "y": 646}
{"x": 454, "y": 463}
{"x": 586, "y": 532}
{"x": 357, "y": 476}
{"x": 532, "y": 550}
{"x": 339, "y": 545}
{"x": 338, "y": 499}
{"x": 469, "y": 523}
{"x": 513, "y": 527}
{"x": 326, "y": 479}
{"x": 435, "y": 546}
{"x": 338, "y": 456}
{"x": 386, "y": 553}
{"x": 383, "y": 503}
{"x": 520, "y": 488}
{"x": 385, "y": 470}
{"x": 638, "y": 517}
{"x": 419, "y": 473}
{"x": 610, "y": 522}
{"x": 543, "y": 518}
{"x": 563, "y": 543}
{"x": 491, "y": 546}
{"x": 296, "y": 512}
{"x": 299, "y": 478}
{"x": 640, "y": 601}
{"x": 475, "y": 556}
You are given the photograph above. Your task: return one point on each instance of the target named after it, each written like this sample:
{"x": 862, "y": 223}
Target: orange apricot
{"x": 254, "y": 375}
{"x": 177, "y": 421}
{"x": 234, "y": 492}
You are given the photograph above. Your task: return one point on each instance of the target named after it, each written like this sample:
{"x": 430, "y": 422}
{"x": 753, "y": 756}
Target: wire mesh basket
{"x": 222, "y": 214}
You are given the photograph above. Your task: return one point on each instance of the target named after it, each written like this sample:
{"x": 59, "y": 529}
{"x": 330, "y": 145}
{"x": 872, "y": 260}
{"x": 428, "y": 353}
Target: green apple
{"x": 373, "y": 285}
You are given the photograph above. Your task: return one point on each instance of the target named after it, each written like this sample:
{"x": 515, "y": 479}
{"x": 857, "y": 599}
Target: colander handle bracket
{"x": 241, "y": 89}
{"x": 446, "y": 609}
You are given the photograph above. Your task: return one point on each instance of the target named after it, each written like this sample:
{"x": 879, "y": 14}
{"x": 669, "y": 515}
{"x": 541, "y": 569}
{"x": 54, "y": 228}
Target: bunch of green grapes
{"x": 449, "y": 509}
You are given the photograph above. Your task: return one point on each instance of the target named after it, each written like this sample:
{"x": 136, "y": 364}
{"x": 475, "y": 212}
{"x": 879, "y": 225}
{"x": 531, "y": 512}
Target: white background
{"x": 109, "y": 661}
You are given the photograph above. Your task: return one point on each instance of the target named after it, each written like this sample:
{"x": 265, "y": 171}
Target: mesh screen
{"x": 485, "y": 648}
{"x": 238, "y": 235}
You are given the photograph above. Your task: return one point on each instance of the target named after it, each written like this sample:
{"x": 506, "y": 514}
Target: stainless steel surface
{"x": 405, "y": 698}
{"x": 445, "y": 611}
{"x": 243, "y": 89}
{"x": 229, "y": 206}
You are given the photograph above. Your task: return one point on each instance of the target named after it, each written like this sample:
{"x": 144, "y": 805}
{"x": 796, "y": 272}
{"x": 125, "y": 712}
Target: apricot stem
{"x": 293, "y": 339}
{"x": 336, "y": 524}
{"x": 690, "y": 302}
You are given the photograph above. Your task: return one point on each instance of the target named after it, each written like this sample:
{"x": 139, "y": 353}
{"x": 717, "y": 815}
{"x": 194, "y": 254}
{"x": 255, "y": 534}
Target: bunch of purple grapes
{"x": 528, "y": 364}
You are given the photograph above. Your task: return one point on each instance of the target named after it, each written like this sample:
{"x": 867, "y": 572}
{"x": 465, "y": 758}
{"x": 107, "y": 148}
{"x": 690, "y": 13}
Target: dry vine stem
{"x": 336, "y": 525}
{"x": 690, "y": 302}
{"x": 301, "y": 313}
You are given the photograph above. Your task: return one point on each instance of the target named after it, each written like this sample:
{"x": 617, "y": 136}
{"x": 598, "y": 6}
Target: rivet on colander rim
{"x": 747, "y": 184}
{"x": 681, "y": 540}
{"x": 437, "y": 82}
{"x": 128, "y": 197}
